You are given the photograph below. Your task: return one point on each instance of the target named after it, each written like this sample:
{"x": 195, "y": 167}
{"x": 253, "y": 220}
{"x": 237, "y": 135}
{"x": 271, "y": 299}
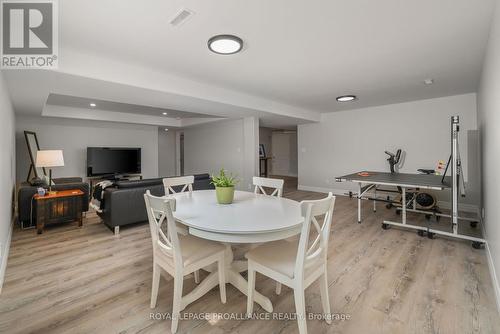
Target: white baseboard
{"x": 5, "y": 256}
{"x": 493, "y": 275}
{"x": 335, "y": 191}
{"x": 491, "y": 267}
{"x": 345, "y": 192}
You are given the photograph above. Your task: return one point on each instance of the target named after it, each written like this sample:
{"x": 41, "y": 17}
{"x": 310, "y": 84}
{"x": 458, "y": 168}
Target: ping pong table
{"x": 369, "y": 183}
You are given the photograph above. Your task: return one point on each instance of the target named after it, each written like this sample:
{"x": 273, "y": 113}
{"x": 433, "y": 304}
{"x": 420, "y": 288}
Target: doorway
{"x": 280, "y": 145}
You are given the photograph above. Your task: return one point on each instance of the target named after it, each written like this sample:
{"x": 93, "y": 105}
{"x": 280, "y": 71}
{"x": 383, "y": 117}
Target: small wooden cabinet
{"x": 59, "y": 207}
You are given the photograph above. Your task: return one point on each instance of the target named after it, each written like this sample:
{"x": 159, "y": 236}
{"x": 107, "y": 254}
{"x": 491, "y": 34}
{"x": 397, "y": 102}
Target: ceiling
{"x": 298, "y": 55}
{"x": 84, "y": 103}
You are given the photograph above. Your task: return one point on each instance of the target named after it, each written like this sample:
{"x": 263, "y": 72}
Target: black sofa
{"x": 123, "y": 203}
{"x": 27, "y": 206}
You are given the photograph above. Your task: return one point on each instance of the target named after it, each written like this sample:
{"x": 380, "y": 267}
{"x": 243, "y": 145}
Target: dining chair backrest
{"x": 276, "y": 184}
{"x": 159, "y": 211}
{"x": 170, "y": 182}
{"x": 311, "y": 252}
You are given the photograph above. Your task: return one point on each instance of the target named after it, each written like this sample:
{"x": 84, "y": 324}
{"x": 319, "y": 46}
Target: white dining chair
{"x": 179, "y": 255}
{"x": 297, "y": 265}
{"x": 275, "y": 184}
{"x": 187, "y": 183}
{"x": 170, "y": 182}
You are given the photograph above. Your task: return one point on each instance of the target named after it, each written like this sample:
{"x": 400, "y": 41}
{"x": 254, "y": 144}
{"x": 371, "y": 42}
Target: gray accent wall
{"x": 74, "y": 136}
{"x": 7, "y": 174}
{"x": 488, "y": 118}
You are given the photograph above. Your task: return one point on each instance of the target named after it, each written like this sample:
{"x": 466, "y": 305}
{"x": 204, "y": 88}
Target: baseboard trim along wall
{"x": 339, "y": 192}
{"x": 491, "y": 267}
{"x": 5, "y": 255}
{"x": 345, "y": 192}
{"x": 493, "y": 275}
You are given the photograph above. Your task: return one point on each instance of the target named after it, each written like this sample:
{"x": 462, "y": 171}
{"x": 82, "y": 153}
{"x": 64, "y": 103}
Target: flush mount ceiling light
{"x": 93, "y": 105}
{"x": 225, "y": 44}
{"x": 166, "y": 129}
{"x": 346, "y": 98}
{"x": 164, "y": 113}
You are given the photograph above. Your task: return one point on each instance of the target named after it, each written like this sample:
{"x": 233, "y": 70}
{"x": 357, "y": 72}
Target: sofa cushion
{"x": 201, "y": 176}
{"x": 138, "y": 183}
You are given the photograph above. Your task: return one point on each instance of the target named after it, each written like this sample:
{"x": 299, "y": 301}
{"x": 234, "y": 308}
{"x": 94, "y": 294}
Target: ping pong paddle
{"x": 364, "y": 174}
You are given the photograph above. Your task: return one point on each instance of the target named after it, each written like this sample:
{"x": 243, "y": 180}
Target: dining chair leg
{"x": 323, "y": 286}
{"x": 176, "y": 309}
{"x": 251, "y": 288}
{"x": 155, "y": 285}
{"x": 197, "y": 276}
{"x": 222, "y": 278}
{"x": 278, "y": 288}
{"x": 300, "y": 309}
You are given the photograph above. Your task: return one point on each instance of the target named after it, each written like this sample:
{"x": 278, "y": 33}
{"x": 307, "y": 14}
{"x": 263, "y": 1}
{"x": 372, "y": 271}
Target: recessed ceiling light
{"x": 164, "y": 113}
{"x": 166, "y": 129}
{"x": 428, "y": 81}
{"x": 93, "y": 105}
{"x": 346, "y": 98}
{"x": 225, "y": 44}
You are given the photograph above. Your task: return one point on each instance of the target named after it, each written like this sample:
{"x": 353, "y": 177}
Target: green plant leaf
{"x": 224, "y": 180}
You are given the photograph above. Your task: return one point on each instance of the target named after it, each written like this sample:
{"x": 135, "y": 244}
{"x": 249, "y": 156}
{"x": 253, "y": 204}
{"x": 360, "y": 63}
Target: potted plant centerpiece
{"x": 224, "y": 187}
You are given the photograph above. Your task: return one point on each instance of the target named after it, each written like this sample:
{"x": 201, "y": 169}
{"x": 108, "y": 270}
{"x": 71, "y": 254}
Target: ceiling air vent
{"x": 181, "y": 17}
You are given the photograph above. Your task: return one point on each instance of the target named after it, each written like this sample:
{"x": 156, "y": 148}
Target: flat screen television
{"x": 113, "y": 161}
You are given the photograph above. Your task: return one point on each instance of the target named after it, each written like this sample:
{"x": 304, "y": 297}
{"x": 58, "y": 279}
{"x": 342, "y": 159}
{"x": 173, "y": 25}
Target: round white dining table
{"x": 251, "y": 218}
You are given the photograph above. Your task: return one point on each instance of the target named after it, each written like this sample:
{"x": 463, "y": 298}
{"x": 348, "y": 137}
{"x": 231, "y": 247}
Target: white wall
{"x": 294, "y": 154}
{"x": 489, "y": 127}
{"x": 7, "y": 174}
{"x": 166, "y": 152}
{"x": 222, "y": 144}
{"x": 285, "y": 156}
{"x": 73, "y": 136}
{"x": 250, "y": 151}
{"x": 349, "y": 141}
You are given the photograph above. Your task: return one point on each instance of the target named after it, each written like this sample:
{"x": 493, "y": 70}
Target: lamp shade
{"x": 49, "y": 158}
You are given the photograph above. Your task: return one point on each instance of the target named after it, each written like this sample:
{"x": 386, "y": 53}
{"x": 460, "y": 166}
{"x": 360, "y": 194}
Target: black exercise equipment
{"x": 393, "y": 159}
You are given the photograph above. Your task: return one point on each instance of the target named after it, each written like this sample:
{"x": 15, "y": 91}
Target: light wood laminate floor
{"x": 71, "y": 280}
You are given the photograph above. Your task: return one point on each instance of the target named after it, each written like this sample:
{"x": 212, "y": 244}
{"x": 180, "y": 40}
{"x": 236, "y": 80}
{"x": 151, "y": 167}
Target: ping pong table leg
{"x": 375, "y": 200}
{"x": 359, "y": 203}
{"x": 403, "y": 205}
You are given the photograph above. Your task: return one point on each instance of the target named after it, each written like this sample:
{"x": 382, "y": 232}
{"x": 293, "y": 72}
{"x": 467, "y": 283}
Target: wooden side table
{"x": 61, "y": 206}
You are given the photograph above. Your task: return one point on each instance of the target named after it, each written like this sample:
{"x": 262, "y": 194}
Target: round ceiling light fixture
{"x": 164, "y": 113}
{"x": 346, "y": 98}
{"x": 93, "y": 105}
{"x": 225, "y": 44}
